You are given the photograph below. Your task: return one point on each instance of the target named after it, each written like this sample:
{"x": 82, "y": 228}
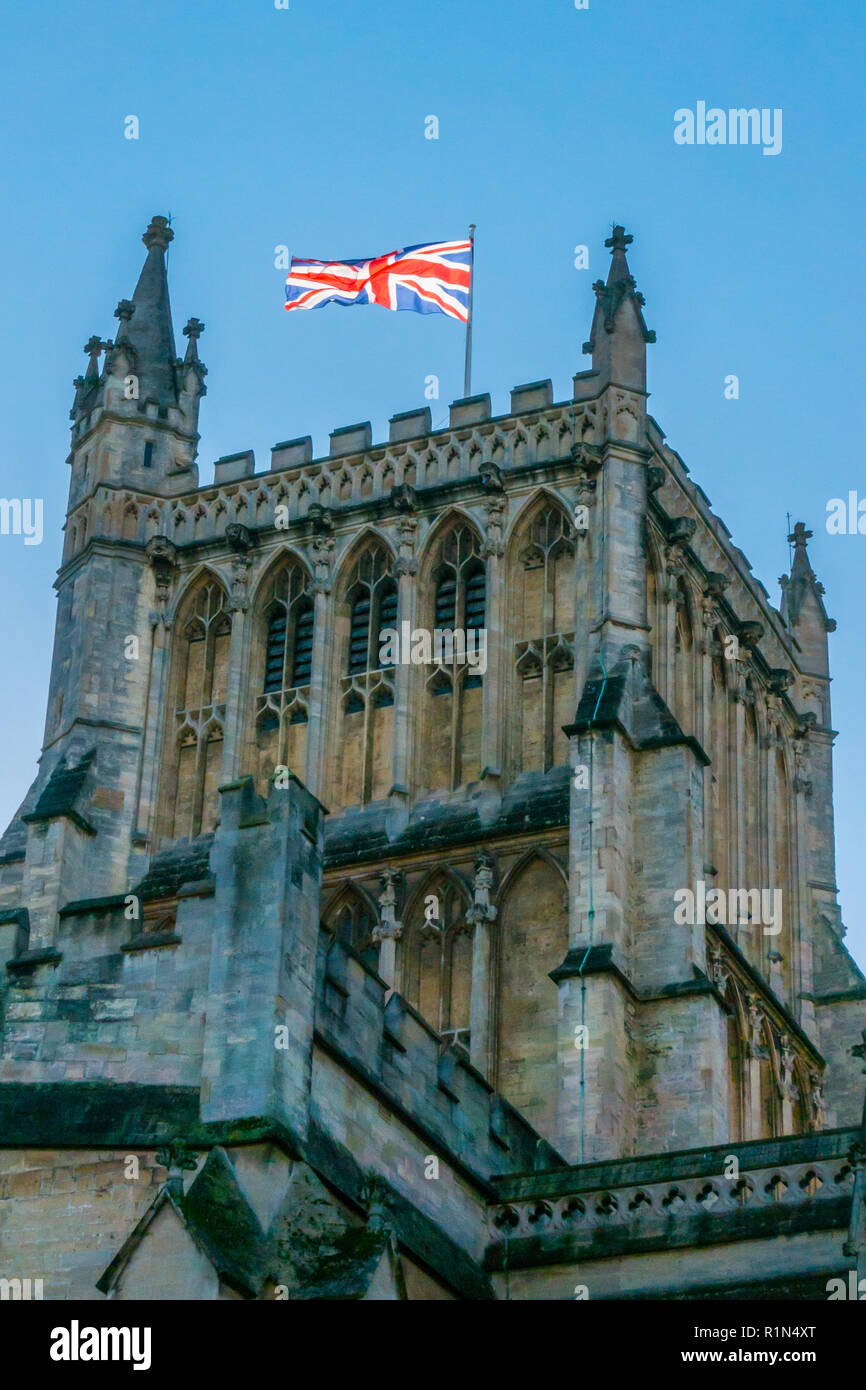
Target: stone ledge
{"x": 149, "y": 943}
{"x": 29, "y": 961}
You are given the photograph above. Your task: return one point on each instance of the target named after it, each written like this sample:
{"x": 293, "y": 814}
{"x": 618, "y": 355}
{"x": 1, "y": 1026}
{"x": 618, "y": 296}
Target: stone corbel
{"x": 491, "y": 477}
{"x": 587, "y": 456}
{"x": 162, "y": 557}
{"x": 716, "y": 585}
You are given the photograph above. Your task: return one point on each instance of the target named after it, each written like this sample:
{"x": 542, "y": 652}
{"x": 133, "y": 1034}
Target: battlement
{"x": 137, "y": 1001}
{"x": 387, "y": 1045}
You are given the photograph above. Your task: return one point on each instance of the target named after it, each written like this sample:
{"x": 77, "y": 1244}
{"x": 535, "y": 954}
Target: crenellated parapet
{"x": 389, "y": 1047}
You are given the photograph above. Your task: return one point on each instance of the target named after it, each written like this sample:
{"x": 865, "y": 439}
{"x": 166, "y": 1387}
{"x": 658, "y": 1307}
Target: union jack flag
{"x": 432, "y": 278}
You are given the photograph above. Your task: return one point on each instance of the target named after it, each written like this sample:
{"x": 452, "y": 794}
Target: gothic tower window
{"x": 449, "y": 753}
{"x": 542, "y": 617}
{"x": 282, "y": 656}
{"x": 436, "y": 958}
{"x": 351, "y": 919}
{"x": 363, "y": 748}
{"x": 189, "y": 804}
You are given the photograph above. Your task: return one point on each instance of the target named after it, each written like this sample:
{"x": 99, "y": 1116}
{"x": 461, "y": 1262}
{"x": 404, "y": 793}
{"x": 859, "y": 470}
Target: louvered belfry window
{"x": 450, "y": 751}
{"x": 302, "y": 655}
{"x": 387, "y": 614}
{"x": 446, "y": 600}
{"x": 475, "y": 598}
{"x": 359, "y": 633}
{"x": 362, "y": 743}
{"x": 282, "y": 703}
{"x": 275, "y": 650}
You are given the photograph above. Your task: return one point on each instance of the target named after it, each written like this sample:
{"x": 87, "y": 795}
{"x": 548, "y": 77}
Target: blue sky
{"x": 305, "y": 126}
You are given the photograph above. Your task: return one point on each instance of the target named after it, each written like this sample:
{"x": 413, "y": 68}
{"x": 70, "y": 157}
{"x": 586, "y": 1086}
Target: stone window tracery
{"x": 362, "y": 756}
{"x": 189, "y": 804}
{"x": 281, "y": 660}
{"x": 543, "y": 615}
{"x": 454, "y": 601}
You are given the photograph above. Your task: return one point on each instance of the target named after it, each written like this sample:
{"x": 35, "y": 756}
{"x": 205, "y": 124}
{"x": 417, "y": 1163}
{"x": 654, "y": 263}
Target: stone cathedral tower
{"x": 340, "y": 963}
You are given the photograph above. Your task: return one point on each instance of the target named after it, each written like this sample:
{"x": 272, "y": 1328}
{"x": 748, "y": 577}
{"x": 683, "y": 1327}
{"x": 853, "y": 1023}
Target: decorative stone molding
{"x": 482, "y": 909}
{"x": 388, "y": 928}
{"x": 756, "y": 1020}
{"x": 407, "y": 528}
{"x": 719, "y": 969}
{"x": 786, "y": 1068}
{"x": 653, "y": 1205}
{"x": 323, "y": 547}
{"x": 817, "y": 1108}
{"x": 494, "y": 543}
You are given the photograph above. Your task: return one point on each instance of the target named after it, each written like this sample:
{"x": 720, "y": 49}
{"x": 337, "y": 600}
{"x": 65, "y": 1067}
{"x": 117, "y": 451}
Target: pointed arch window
{"x": 362, "y": 752}
{"x": 436, "y": 958}
{"x": 450, "y": 751}
{"x": 542, "y": 611}
{"x": 283, "y": 636}
{"x": 190, "y": 777}
{"x": 351, "y": 920}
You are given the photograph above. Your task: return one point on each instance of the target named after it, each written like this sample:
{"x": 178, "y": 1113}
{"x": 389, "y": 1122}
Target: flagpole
{"x": 467, "y": 371}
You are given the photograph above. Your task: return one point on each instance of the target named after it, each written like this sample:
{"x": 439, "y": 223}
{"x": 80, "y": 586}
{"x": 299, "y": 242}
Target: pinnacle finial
{"x": 799, "y": 536}
{"x": 159, "y": 233}
{"x": 192, "y": 332}
{"x": 619, "y": 239}
{"x": 124, "y": 310}
{"x": 94, "y": 348}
